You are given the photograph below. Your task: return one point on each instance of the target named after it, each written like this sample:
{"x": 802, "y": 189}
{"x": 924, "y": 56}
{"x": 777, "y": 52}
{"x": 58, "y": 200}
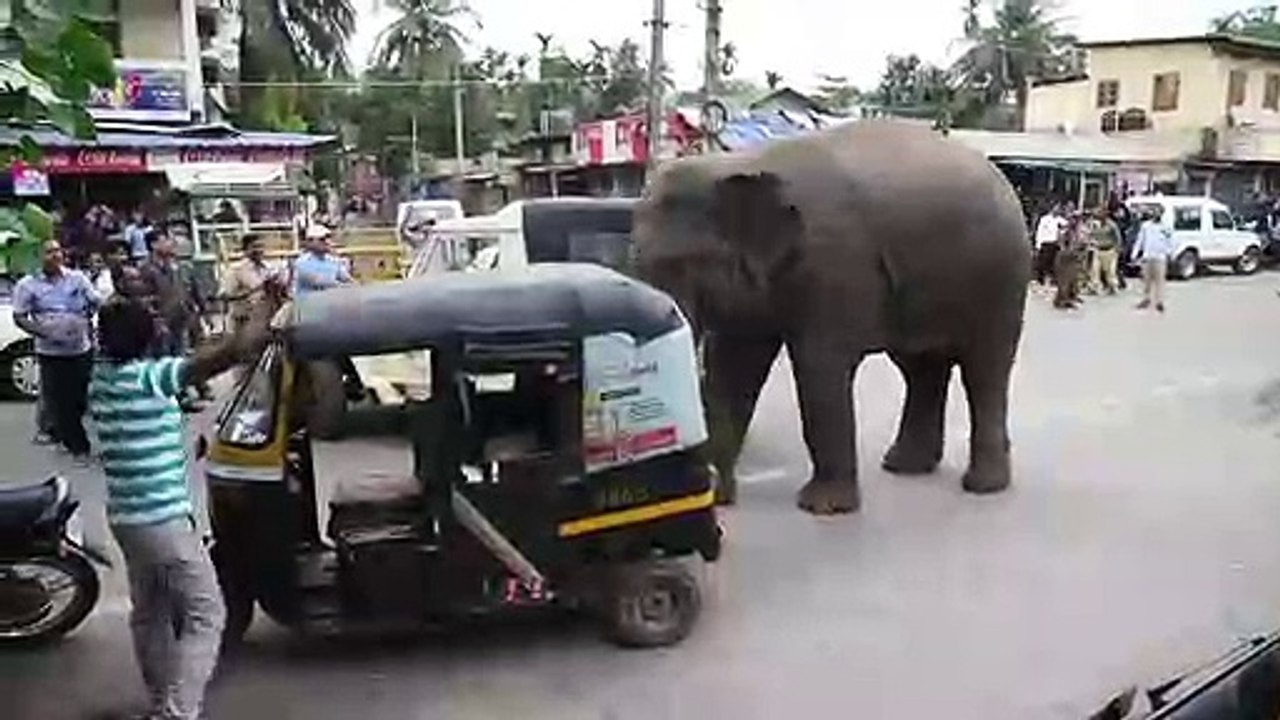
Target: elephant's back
{"x": 942, "y": 219}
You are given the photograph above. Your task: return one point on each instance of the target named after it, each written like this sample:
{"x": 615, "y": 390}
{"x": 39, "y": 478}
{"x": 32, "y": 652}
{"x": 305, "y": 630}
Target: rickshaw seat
{"x": 374, "y": 488}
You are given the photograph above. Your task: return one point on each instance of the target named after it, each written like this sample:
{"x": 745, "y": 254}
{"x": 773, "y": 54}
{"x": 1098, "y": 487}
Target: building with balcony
{"x": 1211, "y": 102}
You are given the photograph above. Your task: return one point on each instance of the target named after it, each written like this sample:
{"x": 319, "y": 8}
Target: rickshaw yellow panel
{"x": 631, "y": 516}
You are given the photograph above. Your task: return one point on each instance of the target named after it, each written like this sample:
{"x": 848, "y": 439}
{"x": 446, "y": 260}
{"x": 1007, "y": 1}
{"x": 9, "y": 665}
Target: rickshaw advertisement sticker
{"x": 640, "y": 401}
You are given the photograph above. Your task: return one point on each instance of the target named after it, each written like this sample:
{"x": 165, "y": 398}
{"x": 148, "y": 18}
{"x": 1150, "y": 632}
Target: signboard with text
{"x": 145, "y": 92}
{"x": 94, "y": 161}
{"x": 160, "y": 159}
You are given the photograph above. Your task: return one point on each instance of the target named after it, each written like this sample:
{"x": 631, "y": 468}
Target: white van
{"x": 1204, "y": 233}
{"x": 528, "y": 232}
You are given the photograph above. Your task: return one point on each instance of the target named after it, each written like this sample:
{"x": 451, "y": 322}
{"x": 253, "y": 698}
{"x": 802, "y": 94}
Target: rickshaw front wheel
{"x": 652, "y": 603}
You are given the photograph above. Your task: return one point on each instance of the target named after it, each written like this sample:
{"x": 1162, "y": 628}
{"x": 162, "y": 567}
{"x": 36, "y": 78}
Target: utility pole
{"x": 653, "y": 124}
{"x": 711, "y": 61}
{"x": 413, "y": 146}
{"x": 459, "y": 136}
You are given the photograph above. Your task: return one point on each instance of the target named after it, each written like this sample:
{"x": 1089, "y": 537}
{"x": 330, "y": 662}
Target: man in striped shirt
{"x": 178, "y": 612}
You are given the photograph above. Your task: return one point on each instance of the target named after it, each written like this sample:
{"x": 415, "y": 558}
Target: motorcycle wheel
{"x": 44, "y": 598}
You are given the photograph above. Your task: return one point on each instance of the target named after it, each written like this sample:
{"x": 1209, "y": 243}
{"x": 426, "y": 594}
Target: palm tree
{"x": 292, "y": 36}
{"x": 286, "y": 41}
{"x": 1024, "y": 43}
{"x": 425, "y": 39}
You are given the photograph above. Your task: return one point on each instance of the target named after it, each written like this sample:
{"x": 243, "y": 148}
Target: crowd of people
{"x": 1087, "y": 253}
{"x": 119, "y": 338}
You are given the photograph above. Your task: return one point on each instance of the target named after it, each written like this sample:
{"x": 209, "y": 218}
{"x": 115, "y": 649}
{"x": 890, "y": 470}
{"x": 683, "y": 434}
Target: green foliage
{"x": 836, "y": 93}
{"x": 57, "y": 61}
{"x": 287, "y": 41}
{"x": 22, "y": 232}
{"x": 1023, "y": 42}
{"x": 60, "y": 60}
{"x": 1259, "y": 22}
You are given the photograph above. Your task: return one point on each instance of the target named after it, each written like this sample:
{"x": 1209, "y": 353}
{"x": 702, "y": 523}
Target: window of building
{"x": 1110, "y": 121}
{"x": 1108, "y": 93}
{"x": 1237, "y": 88}
{"x": 1271, "y": 96}
{"x": 1133, "y": 119}
{"x": 1164, "y": 92}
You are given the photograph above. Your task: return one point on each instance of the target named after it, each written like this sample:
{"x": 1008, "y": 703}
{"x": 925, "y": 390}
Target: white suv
{"x": 1204, "y": 233}
{"x": 19, "y": 374}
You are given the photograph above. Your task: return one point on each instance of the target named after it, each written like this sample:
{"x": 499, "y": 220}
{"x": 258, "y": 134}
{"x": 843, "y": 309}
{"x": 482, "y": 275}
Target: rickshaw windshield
{"x": 249, "y": 421}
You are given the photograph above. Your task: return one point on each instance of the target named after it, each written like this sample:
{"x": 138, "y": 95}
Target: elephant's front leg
{"x": 737, "y": 368}
{"x": 824, "y": 383}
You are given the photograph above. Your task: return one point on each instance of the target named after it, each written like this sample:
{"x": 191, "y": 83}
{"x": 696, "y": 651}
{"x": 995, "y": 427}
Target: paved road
{"x": 1140, "y": 537}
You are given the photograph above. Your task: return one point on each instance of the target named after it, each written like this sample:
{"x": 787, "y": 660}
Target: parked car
{"x": 19, "y": 374}
{"x": 1205, "y": 232}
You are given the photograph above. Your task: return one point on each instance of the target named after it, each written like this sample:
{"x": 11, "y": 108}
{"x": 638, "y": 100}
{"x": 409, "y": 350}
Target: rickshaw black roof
{"x": 567, "y": 300}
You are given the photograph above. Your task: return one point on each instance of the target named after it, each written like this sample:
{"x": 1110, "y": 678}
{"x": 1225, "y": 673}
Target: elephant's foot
{"x": 905, "y": 459}
{"x": 988, "y": 478}
{"x": 827, "y": 497}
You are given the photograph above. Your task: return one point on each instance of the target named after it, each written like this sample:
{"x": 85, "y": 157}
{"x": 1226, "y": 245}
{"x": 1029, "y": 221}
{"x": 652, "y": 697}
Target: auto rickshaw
{"x": 556, "y": 461}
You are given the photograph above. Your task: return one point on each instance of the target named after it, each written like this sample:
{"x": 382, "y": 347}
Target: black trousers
{"x": 1045, "y": 260}
{"x": 64, "y": 382}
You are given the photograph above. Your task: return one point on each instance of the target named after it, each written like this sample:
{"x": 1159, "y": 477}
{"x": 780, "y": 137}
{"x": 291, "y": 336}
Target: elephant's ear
{"x": 751, "y": 212}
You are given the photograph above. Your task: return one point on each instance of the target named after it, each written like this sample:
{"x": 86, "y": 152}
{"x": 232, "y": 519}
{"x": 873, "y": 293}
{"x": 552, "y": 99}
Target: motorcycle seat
{"x": 23, "y": 506}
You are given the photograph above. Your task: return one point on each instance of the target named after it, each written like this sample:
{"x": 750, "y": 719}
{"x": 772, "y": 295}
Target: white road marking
{"x": 761, "y": 476}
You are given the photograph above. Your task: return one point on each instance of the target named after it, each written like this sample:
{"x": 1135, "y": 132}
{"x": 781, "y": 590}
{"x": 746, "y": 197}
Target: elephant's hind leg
{"x": 737, "y": 368}
{"x": 824, "y": 382}
{"x": 918, "y": 447}
{"x": 986, "y": 383}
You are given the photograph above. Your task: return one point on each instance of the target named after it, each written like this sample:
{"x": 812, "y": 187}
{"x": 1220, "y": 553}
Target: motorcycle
{"x": 48, "y": 582}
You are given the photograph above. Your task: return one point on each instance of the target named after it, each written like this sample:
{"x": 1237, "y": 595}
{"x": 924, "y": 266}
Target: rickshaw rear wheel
{"x": 651, "y": 603}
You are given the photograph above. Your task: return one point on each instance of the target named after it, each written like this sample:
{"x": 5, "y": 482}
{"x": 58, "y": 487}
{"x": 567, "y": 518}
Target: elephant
{"x": 868, "y": 237}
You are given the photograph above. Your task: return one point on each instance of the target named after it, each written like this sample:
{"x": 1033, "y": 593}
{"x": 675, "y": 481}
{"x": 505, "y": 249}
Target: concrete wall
{"x": 151, "y": 30}
{"x": 1202, "y": 92}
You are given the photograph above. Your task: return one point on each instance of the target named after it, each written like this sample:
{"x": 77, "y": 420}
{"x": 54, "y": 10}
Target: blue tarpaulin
{"x": 757, "y": 128}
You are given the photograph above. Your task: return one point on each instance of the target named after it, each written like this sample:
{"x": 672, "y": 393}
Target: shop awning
{"x": 198, "y": 137}
{"x": 194, "y": 177}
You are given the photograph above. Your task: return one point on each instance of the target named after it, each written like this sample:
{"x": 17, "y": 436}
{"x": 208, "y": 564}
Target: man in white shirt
{"x": 1048, "y": 230}
{"x": 1152, "y": 250}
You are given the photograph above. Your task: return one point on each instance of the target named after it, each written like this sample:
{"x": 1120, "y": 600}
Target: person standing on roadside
{"x": 1048, "y": 231}
{"x": 174, "y": 291}
{"x": 317, "y": 268}
{"x": 1151, "y": 251}
{"x": 135, "y": 236}
{"x": 1106, "y": 246}
{"x": 56, "y": 305}
{"x": 1068, "y": 267}
{"x": 178, "y": 614}
{"x": 246, "y": 281}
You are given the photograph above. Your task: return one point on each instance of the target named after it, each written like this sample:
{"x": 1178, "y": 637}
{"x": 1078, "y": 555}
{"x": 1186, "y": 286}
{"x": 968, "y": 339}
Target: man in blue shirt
{"x": 317, "y": 268}
{"x": 135, "y": 234}
{"x": 56, "y": 306}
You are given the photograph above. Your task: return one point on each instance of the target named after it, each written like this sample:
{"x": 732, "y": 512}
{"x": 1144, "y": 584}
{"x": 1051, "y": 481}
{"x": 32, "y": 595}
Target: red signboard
{"x": 86, "y": 161}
